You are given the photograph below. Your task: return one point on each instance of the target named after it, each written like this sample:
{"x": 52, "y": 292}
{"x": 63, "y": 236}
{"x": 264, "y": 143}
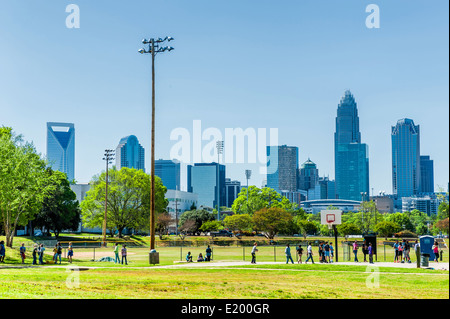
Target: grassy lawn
{"x": 268, "y": 281}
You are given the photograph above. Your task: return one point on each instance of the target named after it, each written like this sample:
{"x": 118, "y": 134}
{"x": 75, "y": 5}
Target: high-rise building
{"x": 327, "y": 188}
{"x": 405, "y": 137}
{"x": 129, "y": 153}
{"x": 232, "y": 189}
{"x": 202, "y": 180}
{"x": 169, "y": 172}
{"x": 308, "y": 175}
{"x": 61, "y": 147}
{"x": 282, "y": 168}
{"x": 351, "y": 157}
{"x": 426, "y": 174}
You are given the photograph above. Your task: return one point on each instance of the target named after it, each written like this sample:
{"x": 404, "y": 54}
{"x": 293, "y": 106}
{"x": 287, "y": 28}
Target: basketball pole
{"x": 335, "y": 242}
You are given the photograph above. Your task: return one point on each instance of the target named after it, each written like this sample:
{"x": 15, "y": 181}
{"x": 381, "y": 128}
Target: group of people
{"x": 402, "y": 251}
{"x": 200, "y": 257}
{"x": 367, "y": 249}
{"x": 123, "y": 252}
{"x": 326, "y": 253}
{"x": 38, "y": 253}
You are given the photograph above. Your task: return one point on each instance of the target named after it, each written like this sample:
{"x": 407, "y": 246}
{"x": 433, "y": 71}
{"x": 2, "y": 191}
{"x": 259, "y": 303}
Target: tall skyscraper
{"x": 232, "y": 189}
{"x": 308, "y": 175}
{"x": 351, "y": 157}
{"x": 129, "y": 153}
{"x": 169, "y": 172}
{"x": 282, "y": 168}
{"x": 61, "y": 147}
{"x": 202, "y": 179}
{"x": 426, "y": 174}
{"x": 405, "y": 137}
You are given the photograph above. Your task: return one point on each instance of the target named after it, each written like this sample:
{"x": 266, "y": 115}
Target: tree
{"x": 271, "y": 221}
{"x": 346, "y": 229}
{"x": 259, "y": 199}
{"x": 307, "y": 227}
{"x": 162, "y": 224}
{"x": 198, "y": 216}
{"x": 368, "y": 216}
{"x": 211, "y": 225}
{"x": 189, "y": 226}
{"x": 60, "y": 210}
{"x": 239, "y": 222}
{"x": 402, "y": 219}
{"x": 442, "y": 225}
{"x": 24, "y": 182}
{"x": 387, "y": 228}
{"x": 128, "y": 200}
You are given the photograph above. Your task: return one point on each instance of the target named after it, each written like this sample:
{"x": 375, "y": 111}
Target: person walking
{"x": 370, "y": 252}
{"x": 310, "y": 254}
{"x": 287, "y": 252}
{"x": 355, "y": 251}
{"x": 299, "y": 253}
{"x": 435, "y": 249}
{"x": 41, "y": 254}
{"x": 2, "y": 251}
{"x": 116, "y": 253}
{"x": 254, "y": 250}
{"x": 417, "y": 251}
{"x": 22, "y": 251}
{"x": 35, "y": 254}
{"x": 124, "y": 254}
{"x": 208, "y": 253}
{"x": 70, "y": 253}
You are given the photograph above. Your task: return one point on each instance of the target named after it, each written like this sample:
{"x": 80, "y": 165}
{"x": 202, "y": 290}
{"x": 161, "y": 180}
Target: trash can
{"x": 424, "y": 260}
{"x": 153, "y": 257}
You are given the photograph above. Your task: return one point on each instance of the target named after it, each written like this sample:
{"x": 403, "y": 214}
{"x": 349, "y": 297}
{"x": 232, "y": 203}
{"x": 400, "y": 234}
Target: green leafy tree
{"x": 239, "y": 222}
{"x": 387, "y": 228}
{"x": 307, "y": 227}
{"x": 60, "y": 210}
{"x": 272, "y": 221}
{"x": 211, "y": 225}
{"x": 260, "y": 198}
{"x": 367, "y": 217}
{"x": 198, "y": 217}
{"x": 128, "y": 200}
{"x": 346, "y": 229}
{"x": 402, "y": 219}
{"x": 24, "y": 182}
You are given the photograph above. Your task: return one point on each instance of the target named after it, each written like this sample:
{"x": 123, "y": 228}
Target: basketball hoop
{"x": 330, "y": 225}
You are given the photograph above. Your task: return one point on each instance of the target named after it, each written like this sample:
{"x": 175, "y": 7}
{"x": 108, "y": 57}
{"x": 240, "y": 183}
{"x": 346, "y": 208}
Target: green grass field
{"x": 279, "y": 281}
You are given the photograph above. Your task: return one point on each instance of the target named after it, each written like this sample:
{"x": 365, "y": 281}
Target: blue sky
{"x": 236, "y": 64}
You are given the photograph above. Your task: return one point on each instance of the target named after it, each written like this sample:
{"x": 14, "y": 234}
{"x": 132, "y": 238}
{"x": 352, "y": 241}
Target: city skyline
{"x": 397, "y": 71}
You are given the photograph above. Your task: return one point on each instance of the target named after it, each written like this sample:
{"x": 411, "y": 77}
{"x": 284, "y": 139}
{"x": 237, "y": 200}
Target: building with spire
{"x": 129, "y": 153}
{"x": 61, "y": 147}
{"x": 351, "y": 156}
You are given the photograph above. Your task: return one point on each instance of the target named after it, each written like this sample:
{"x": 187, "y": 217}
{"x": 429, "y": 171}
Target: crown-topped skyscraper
{"x": 351, "y": 156}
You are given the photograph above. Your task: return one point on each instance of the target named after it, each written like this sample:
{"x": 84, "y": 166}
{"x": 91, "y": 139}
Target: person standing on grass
{"x": 400, "y": 252}
{"x": 320, "y": 252}
{"x": 287, "y": 252}
{"x": 2, "y": 251}
{"x": 396, "y": 251}
{"x": 406, "y": 252}
{"x": 22, "y": 252}
{"x": 326, "y": 252}
{"x": 364, "y": 249}
{"x": 55, "y": 251}
{"x": 310, "y": 253}
{"x": 124, "y": 254}
{"x": 35, "y": 254}
{"x": 70, "y": 253}
{"x": 355, "y": 251}
{"x": 116, "y": 253}
{"x": 435, "y": 249}
{"x": 299, "y": 253}
{"x": 41, "y": 254}
{"x": 254, "y": 250}
{"x": 58, "y": 253}
{"x": 331, "y": 252}
{"x": 208, "y": 253}
{"x": 370, "y": 251}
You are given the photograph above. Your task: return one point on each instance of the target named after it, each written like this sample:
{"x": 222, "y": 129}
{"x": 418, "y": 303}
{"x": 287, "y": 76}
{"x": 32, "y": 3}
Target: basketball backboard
{"x": 331, "y": 217}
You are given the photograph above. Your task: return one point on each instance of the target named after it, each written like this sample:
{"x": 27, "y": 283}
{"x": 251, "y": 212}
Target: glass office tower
{"x": 61, "y": 147}
{"x": 282, "y": 168}
{"x": 129, "y": 153}
{"x": 308, "y": 175}
{"x": 405, "y": 137}
{"x": 426, "y": 174}
{"x": 351, "y": 157}
{"x": 202, "y": 180}
{"x": 169, "y": 172}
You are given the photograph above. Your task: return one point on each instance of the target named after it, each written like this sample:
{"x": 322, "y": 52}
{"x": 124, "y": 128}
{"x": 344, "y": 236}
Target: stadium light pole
{"x": 219, "y": 146}
{"x": 109, "y": 156}
{"x": 154, "y": 47}
{"x": 248, "y": 174}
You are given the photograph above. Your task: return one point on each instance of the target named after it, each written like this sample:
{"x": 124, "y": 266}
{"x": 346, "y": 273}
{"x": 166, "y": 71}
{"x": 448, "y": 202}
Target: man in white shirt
{"x": 309, "y": 249}
{"x": 254, "y": 250}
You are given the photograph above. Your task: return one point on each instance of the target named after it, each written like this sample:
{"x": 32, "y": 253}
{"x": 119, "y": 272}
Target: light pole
{"x": 248, "y": 174}
{"x": 219, "y": 146}
{"x": 363, "y": 209}
{"x": 109, "y": 156}
{"x": 154, "y": 47}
